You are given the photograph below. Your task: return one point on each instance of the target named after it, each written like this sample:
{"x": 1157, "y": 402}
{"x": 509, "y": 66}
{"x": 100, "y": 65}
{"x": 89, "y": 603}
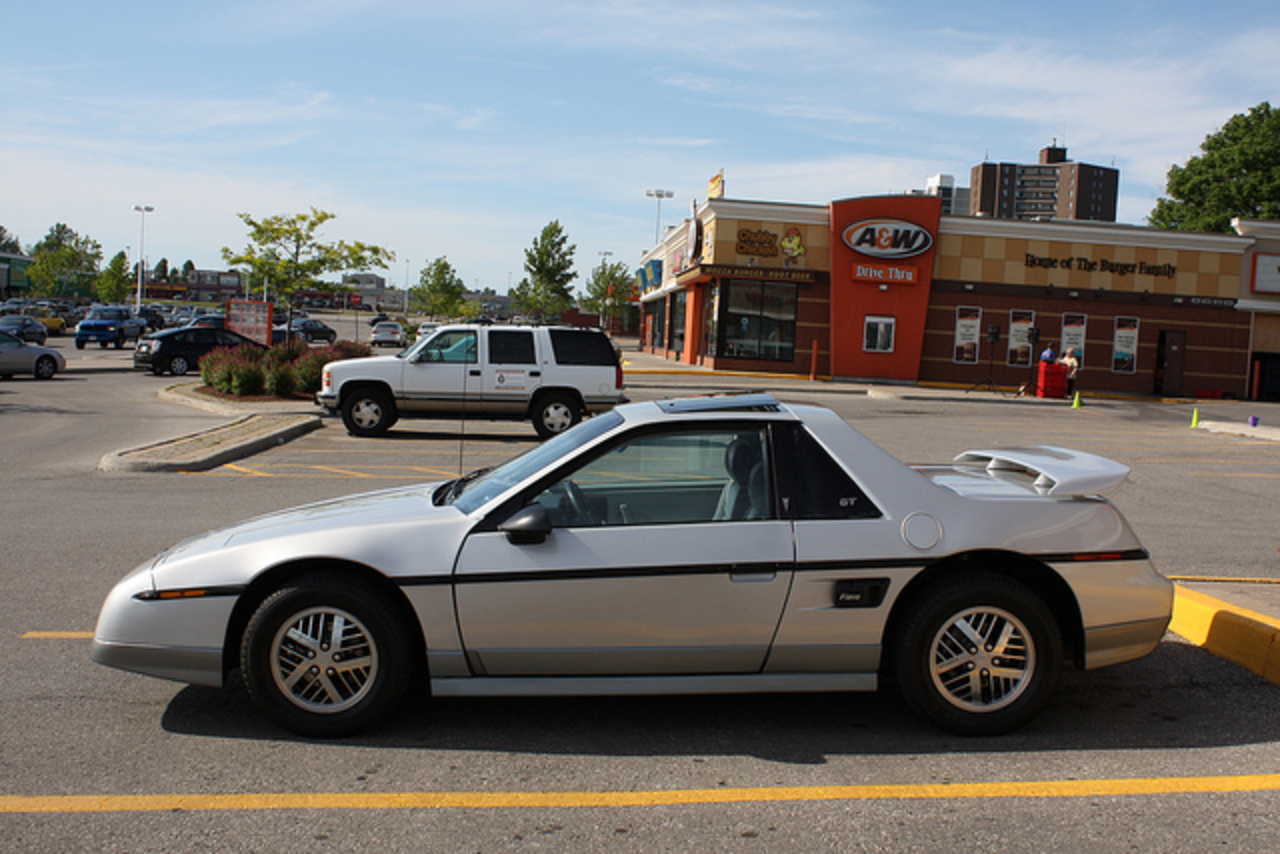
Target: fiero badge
{"x": 887, "y": 238}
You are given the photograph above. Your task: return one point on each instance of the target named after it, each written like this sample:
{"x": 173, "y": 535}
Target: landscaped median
{"x": 1245, "y": 637}
{"x": 211, "y": 448}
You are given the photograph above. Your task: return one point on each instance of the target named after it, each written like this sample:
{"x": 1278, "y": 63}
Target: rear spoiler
{"x": 1057, "y": 471}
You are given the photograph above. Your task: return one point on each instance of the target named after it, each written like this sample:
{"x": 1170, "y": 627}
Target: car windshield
{"x": 475, "y": 489}
{"x": 106, "y": 314}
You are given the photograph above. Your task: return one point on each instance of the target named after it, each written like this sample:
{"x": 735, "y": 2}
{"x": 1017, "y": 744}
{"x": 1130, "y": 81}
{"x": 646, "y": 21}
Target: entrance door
{"x": 1171, "y": 362}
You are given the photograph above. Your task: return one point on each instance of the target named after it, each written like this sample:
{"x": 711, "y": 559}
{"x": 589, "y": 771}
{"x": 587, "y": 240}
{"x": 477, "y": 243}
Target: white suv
{"x": 551, "y": 375}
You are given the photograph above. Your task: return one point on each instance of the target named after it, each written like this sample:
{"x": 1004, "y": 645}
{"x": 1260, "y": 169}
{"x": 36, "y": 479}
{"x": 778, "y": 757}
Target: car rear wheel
{"x": 979, "y": 655}
{"x": 325, "y": 656}
{"x": 368, "y": 412}
{"x": 46, "y": 367}
{"x": 178, "y": 366}
{"x": 554, "y": 413}
{"x": 79, "y": 344}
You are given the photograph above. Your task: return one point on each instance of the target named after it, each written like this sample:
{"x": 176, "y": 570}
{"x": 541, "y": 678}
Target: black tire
{"x": 965, "y": 689}
{"x": 46, "y": 367}
{"x": 102, "y": 345}
{"x": 119, "y": 342}
{"x": 178, "y": 366}
{"x": 554, "y": 413}
{"x": 368, "y": 412}
{"x": 79, "y": 344}
{"x": 326, "y": 656}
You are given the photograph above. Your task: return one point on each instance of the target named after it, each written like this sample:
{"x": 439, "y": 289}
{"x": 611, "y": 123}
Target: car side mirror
{"x": 529, "y": 526}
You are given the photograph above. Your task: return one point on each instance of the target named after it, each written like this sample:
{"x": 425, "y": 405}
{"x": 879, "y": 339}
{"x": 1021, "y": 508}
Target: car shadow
{"x": 1175, "y": 698}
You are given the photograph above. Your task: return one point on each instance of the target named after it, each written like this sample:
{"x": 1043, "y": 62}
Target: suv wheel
{"x": 368, "y": 412}
{"x": 554, "y": 413}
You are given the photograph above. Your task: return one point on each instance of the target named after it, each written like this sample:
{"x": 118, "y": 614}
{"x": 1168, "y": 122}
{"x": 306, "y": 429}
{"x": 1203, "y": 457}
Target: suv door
{"x": 440, "y": 377}
{"x": 510, "y": 372}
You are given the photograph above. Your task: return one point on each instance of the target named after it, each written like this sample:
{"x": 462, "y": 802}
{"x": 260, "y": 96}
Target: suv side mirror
{"x": 528, "y": 526}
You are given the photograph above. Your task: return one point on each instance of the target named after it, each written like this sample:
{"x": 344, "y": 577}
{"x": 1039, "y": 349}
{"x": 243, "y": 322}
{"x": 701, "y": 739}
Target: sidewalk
{"x": 1234, "y": 619}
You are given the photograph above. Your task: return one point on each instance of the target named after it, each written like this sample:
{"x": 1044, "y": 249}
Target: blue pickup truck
{"x": 110, "y": 325}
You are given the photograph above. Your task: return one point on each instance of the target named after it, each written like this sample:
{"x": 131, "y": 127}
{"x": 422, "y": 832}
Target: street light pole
{"x": 657, "y": 226}
{"x": 143, "y": 210}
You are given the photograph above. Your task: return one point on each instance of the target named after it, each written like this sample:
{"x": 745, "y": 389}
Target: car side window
{"x": 458, "y": 346}
{"x": 816, "y": 486}
{"x": 511, "y": 347}
{"x": 674, "y": 477}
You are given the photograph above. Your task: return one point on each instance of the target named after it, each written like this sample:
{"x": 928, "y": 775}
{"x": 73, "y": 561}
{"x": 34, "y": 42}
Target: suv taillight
{"x": 618, "y": 378}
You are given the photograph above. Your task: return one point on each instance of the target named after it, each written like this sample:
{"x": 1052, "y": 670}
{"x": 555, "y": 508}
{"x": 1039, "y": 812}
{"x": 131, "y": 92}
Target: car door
{"x": 509, "y": 372}
{"x": 439, "y": 377}
{"x": 12, "y": 357}
{"x": 638, "y": 576}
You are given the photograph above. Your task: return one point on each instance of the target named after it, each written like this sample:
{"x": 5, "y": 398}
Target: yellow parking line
{"x": 672, "y": 797}
{"x": 57, "y": 635}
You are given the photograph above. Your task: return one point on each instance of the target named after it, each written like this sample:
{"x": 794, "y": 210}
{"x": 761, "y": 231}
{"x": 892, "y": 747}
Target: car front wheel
{"x": 46, "y": 367}
{"x": 178, "y": 366}
{"x": 325, "y": 656}
{"x": 554, "y": 414}
{"x": 368, "y": 412}
{"x": 979, "y": 655}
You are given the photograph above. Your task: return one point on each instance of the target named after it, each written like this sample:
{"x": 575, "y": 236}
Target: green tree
{"x": 610, "y": 287}
{"x": 114, "y": 283}
{"x": 9, "y": 242}
{"x": 60, "y": 257}
{"x": 285, "y": 253}
{"x": 549, "y": 265}
{"x": 439, "y": 290}
{"x": 1237, "y": 175}
{"x": 161, "y": 272}
{"x": 188, "y": 270}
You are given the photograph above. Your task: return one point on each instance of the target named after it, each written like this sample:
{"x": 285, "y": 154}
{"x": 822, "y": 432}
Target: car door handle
{"x": 752, "y": 577}
{"x": 475, "y": 373}
{"x": 535, "y": 373}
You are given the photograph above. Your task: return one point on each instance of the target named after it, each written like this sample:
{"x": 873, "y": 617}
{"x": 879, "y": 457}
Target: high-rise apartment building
{"x": 1054, "y": 188}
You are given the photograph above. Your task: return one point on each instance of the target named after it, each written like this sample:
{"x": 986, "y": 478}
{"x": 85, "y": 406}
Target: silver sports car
{"x": 718, "y": 544}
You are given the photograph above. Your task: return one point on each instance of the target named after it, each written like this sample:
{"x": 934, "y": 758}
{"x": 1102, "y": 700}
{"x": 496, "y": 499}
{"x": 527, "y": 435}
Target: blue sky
{"x": 461, "y": 128}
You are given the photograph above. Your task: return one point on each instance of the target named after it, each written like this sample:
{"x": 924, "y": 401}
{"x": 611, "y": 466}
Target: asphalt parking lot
{"x": 1177, "y": 751}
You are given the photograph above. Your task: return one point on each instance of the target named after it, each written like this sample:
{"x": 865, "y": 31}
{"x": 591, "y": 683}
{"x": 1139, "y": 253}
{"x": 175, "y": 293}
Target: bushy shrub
{"x": 281, "y": 380}
{"x": 248, "y": 378}
{"x": 282, "y": 371}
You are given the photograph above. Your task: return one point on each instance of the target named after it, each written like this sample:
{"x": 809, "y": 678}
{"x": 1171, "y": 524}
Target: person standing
{"x": 1072, "y": 364}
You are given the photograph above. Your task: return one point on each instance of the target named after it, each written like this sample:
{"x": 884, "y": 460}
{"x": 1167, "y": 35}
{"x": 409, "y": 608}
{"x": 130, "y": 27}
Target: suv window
{"x": 582, "y": 347}
{"x": 511, "y": 347}
{"x": 455, "y": 345}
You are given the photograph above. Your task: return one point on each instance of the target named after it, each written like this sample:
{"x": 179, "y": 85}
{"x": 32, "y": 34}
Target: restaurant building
{"x": 887, "y": 289}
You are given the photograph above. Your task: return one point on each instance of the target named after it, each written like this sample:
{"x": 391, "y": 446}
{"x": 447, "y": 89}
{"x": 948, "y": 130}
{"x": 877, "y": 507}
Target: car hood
{"x": 396, "y": 531}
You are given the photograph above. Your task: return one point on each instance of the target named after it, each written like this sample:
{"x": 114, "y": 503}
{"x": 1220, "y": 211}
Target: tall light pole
{"x": 657, "y": 226}
{"x": 605, "y": 255}
{"x": 142, "y": 210}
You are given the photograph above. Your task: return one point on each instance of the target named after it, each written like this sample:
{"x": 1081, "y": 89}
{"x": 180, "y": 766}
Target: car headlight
{"x": 153, "y": 346}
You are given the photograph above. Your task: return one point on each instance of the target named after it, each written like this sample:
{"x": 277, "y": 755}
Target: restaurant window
{"x": 658, "y": 325}
{"x": 759, "y": 320}
{"x": 878, "y": 334}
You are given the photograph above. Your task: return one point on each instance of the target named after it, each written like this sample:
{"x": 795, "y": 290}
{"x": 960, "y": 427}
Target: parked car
{"x": 708, "y": 545}
{"x": 551, "y": 375}
{"x": 109, "y": 325}
{"x": 388, "y": 333}
{"x": 19, "y": 357}
{"x": 53, "y": 322}
{"x": 25, "y": 327}
{"x": 427, "y": 327}
{"x": 210, "y": 321}
{"x": 313, "y": 330}
{"x": 153, "y": 316}
{"x": 177, "y": 351}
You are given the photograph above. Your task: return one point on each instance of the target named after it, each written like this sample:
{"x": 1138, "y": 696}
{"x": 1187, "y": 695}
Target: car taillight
{"x": 618, "y": 378}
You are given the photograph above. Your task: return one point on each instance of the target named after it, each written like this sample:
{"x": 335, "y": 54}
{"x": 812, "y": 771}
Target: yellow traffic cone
{"x": 1195, "y": 418}
{"x": 1075, "y": 404}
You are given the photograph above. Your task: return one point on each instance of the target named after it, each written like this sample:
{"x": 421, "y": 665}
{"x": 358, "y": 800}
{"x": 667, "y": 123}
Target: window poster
{"x": 1073, "y": 334}
{"x": 1124, "y": 346}
{"x": 1020, "y": 322}
{"x": 968, "y": 334}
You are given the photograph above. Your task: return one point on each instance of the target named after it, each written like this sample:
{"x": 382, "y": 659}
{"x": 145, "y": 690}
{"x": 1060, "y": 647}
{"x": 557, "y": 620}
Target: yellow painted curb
{"x": 1241, "y": 636}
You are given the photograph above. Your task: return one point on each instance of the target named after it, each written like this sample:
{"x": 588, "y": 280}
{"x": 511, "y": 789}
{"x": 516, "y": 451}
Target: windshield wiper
{"x": 454, "y": 488}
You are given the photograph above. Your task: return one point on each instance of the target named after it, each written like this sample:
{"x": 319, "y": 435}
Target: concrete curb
{"x": 209, "y": 449}
{"x": 1241, "y": 636}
